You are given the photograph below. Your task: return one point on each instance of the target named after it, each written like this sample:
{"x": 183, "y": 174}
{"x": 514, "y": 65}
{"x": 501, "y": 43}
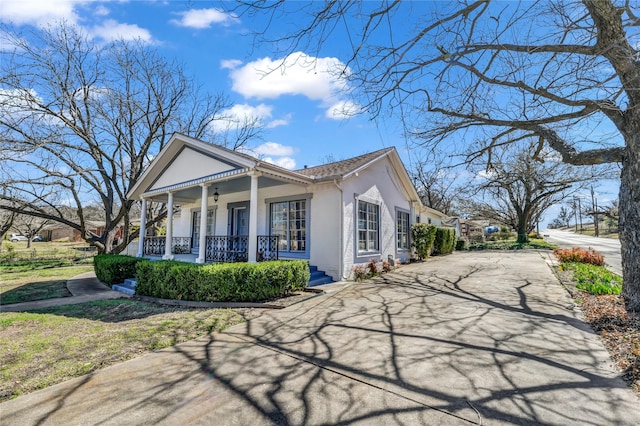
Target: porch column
{"x": 203, "y": 225}
{"x": 169, "y": 238}
{"x": 253, "y": 218}
{"x": 143, "y": 228}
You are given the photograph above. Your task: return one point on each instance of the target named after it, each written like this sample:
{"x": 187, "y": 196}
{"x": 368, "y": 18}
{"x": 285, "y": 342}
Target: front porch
{"x": 217, "y": 249}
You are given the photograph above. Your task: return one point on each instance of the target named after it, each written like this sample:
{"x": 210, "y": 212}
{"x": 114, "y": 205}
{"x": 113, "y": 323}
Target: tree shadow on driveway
{"x": 466, "y": 339}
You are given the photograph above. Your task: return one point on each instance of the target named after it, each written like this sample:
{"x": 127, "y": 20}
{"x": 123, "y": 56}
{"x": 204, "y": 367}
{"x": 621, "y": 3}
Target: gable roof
{"x": 344, "y": 168}
{"x": 242, "y": 163}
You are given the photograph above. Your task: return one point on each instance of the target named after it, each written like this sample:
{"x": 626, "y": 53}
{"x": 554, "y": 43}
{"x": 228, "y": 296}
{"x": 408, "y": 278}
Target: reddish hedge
{"x": 579, "y": 255}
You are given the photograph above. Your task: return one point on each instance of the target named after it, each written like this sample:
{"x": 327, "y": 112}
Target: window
{"x": 402, "y": 230}
{"x": 368, "y": 218}
{"x": 289, "y": 222}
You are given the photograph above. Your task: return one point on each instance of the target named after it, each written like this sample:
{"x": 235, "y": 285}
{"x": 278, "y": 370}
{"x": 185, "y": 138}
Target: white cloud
{"x": 274, "y": 153}
{"x": 101, "y": 11}
{"x": 342, "y": 109}
{"x": 279, "y": 122}
{"x": 285, "y": 162}
{"x": 318, "y": 79}
{"x": 230, "y": 63}
{"x": 39, "y": 12}
{"x": 112, "y": 30}
{"x": 244, "y": 114}
{"x": 44, "y": 12}
{"x": 485, "y": 174}
{"x": 297, "y": 74}
{"x": 274, "y": 148}
{"x": 203, "y": 18}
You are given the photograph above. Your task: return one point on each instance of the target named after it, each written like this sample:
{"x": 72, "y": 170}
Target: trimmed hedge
{"x": 224, "y": 282}
{"x": 445, "y": 240}
{"x": 422, "y": 236}
{"x": 114, "y": 268}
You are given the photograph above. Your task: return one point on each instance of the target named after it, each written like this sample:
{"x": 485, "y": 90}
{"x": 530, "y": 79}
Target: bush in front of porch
{"x": 114, "y": 268}
{"x": 225, "y": 282}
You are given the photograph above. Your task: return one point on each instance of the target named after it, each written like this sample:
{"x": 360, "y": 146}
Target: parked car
{"x": 15, "y": 237}
{"x": 37, "y": 239}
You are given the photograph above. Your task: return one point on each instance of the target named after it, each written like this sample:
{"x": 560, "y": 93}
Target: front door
{"x": 239, "y": 221}
{"x": 238, "y": 231}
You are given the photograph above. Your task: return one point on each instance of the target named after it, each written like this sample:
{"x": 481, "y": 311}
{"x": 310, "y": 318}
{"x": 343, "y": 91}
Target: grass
{"x": 594, "y": 279}
{"x": 45, "y": 347}
{"x": 18, "y": 251}
{"x": 37, "y": 279}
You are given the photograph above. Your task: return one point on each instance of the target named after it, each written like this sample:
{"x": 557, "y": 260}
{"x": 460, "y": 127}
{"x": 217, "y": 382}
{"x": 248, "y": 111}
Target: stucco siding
{"x": 325, "y": 229}
{"x": 378, "y": 184}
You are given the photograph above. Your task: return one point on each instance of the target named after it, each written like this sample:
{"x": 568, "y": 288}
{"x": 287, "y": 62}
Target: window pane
{"x": 368, "y": 214}
{"x": 279, "y": 212}
{"x": 403, "y": 230}
{"x": 289, "y": 223}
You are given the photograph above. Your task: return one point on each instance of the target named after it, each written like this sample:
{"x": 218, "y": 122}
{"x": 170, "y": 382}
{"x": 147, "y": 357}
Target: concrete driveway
{"x": 487, "y": 338}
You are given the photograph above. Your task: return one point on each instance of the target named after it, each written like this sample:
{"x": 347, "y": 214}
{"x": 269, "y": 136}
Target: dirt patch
{"x": 617, "y": 326}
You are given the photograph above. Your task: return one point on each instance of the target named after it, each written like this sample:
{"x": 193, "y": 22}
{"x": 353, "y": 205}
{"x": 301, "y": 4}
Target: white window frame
{"x": 405, "y": 215}
{"x": 368, "y": 249}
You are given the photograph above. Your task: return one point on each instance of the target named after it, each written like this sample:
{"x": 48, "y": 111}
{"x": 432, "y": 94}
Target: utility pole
{"x": 580, "y": 213}
{"x": 594, "y": 207}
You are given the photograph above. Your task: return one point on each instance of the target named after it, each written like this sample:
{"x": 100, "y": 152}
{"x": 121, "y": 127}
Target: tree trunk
{"x": 630, "y": 221}
{"x": 523, "y": 235}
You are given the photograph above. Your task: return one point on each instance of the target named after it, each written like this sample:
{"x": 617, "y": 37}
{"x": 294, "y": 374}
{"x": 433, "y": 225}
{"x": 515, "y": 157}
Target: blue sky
{"x": 304, "y": 108}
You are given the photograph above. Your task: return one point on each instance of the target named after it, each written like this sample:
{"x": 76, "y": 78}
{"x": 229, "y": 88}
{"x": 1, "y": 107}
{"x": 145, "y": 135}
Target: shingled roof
{"x": 339, "y": 169}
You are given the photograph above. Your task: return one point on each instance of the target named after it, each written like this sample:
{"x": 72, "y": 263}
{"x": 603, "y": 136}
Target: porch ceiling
{"x": 190, "y": 192}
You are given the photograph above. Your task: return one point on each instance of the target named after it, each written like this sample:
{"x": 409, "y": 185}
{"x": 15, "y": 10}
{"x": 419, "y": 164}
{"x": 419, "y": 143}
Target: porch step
{"x": 127, "y": 287}
{"x": 318, "y": 277}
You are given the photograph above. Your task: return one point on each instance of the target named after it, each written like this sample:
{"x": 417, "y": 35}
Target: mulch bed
{"x": 618, "y": 328}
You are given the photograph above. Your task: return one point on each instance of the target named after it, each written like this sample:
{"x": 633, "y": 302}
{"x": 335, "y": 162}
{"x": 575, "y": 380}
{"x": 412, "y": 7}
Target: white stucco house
{"x": 229, "y": 206}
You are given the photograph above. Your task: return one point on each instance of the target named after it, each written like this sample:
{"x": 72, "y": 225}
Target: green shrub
{"x": 225, "y": 282}
{"x": 422, "y": 237}
{"x": 444, "y": 241}
{"x": 595, "y": 279}
{"x": 511, "y": 245}
{"x": 114, "y": 268}
{"x": 579, "y": 255}
{"x": 461, "y": 244}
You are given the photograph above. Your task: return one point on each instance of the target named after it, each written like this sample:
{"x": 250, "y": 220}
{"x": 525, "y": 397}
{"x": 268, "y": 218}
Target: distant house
{"x": 229, "y": 206}
{"x": 61, "y": 232}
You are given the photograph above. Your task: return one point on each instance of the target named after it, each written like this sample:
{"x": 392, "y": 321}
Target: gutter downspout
{"x": 341, "y": 235}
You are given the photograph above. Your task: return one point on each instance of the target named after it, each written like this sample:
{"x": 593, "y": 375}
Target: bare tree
{"x": 29, "y": 226}
{"x": 436, "y": 183}
{"x": 80, "y": 122}
{"x": 564, "y": 215}
{"x": 563, "y": 73}
{"x": 517, "y": 189}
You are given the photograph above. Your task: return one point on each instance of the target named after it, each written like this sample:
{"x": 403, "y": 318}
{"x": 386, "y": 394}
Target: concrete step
{"x": 127, "y": 287}
{"x": 318, "y": 277}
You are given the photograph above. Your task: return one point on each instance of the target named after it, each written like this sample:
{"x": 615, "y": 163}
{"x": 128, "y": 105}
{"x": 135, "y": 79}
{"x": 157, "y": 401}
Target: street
{"x": 609, "y": 247}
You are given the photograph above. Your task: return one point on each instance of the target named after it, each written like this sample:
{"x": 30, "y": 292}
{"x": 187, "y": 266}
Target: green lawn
{"x": 45, "y": 347}
{"x": 36, "y": 280}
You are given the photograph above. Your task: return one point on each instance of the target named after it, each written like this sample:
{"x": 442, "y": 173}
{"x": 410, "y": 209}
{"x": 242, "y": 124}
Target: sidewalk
{"x": 84, "y": 288}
